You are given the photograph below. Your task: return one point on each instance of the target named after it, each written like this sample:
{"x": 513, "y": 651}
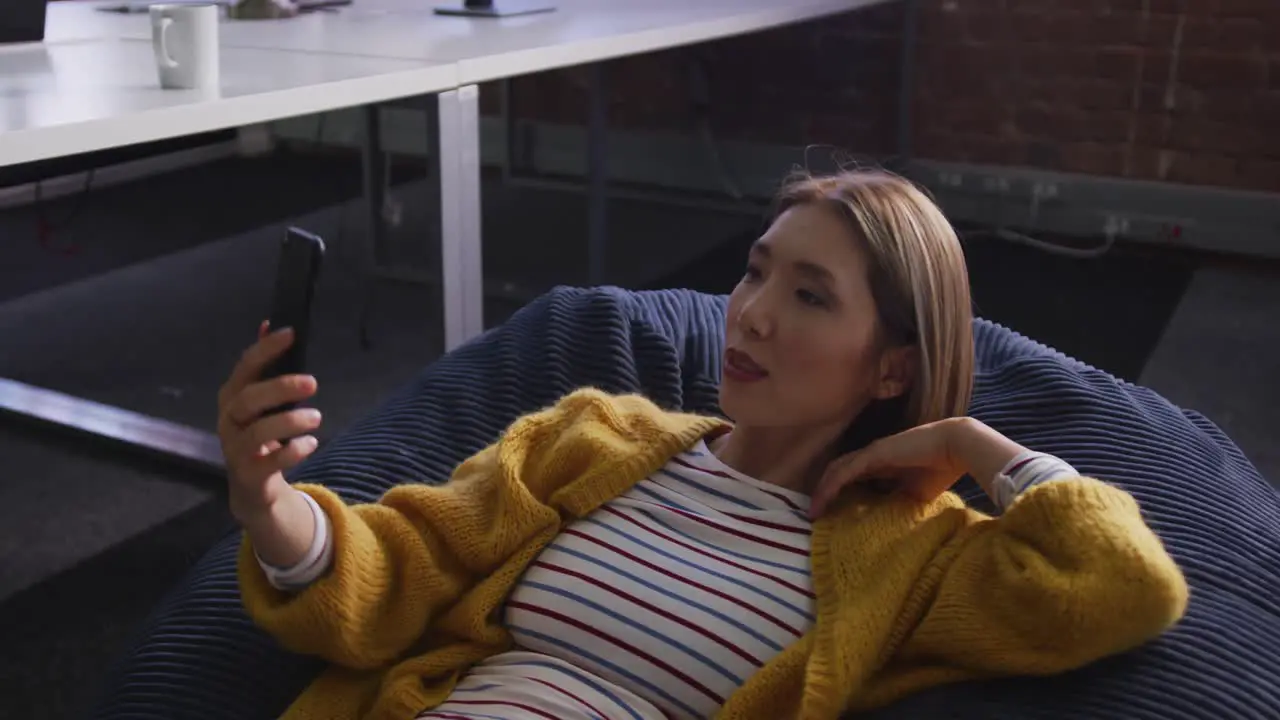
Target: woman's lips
{"x": 740, "y": 367}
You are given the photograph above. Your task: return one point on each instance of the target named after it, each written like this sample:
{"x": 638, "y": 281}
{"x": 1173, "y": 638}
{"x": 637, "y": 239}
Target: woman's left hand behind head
{"x": 922, "y": 462}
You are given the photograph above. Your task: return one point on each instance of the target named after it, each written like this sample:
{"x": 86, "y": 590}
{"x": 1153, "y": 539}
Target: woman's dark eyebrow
{"x": 813, "y": 271}
{"x": 809, "y": 269}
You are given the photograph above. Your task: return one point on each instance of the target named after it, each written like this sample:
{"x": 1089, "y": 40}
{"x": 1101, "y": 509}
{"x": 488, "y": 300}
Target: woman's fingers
{"x": 268, "y": 448}
{"x": 287, "y": 456}
{"x": 262, "y": 396}
{"x": 917, "y": 462}
{"x": 842, "y": 471}
{"x": 263, "y": 437}
{"x": 269, "y": 466}
{"x": 254, "y": 360}
{"x": 293, "y": 423}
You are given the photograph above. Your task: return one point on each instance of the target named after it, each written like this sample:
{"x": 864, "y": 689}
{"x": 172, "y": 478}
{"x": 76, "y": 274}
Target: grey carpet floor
{"x": 1220, "y": 354}
{"x": 92, "y": 537}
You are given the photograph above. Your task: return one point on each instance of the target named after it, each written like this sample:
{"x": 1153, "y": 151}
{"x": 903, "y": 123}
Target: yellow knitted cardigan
{"x": 908, "y": 595}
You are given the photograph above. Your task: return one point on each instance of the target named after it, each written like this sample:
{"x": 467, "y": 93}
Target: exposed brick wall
{"x": 1182, "y": 91}
{"x": 1176, "y": 90}
{"x": 831, "y": 81}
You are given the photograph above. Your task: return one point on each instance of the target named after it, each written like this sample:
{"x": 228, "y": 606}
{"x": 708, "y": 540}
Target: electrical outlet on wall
{"x": 1115, "y": 226}
{"x": 1044, "y": 190}
{"x": 950, "y": 179}
{"x": 996, "y": 184}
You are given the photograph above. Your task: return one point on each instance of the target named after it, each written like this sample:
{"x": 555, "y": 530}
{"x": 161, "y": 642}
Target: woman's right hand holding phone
{"x": 278, "y": 520}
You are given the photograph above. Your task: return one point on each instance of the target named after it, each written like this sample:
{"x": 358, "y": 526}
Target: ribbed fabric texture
{"x": 199, "y": 657}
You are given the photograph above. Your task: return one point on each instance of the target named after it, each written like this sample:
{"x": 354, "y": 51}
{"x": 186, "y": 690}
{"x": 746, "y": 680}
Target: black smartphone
{"x": 301, "y": 254}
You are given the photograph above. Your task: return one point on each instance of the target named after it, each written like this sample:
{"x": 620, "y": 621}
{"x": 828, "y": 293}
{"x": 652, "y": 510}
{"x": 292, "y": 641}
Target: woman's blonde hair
{"x": 920, "y": 284}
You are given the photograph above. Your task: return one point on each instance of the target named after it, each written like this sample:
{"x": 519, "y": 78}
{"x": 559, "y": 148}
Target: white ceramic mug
{"x": 185, "y": 39}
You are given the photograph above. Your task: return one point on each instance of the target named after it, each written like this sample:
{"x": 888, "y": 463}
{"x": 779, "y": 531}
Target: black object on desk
{"x": 495, "y": 8}
{"x": 22, "y": 21}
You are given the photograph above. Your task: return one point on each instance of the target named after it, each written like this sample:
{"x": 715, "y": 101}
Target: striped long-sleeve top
{"x": 659, "y": 604}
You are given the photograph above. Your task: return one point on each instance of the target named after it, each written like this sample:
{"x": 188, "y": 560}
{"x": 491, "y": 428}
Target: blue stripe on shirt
{"x": 585, "y": 679}
{"x": 462, "y": 713}
{"x": 713, "y": 573}
{"x": 632, "y": 623}
{"x": 709, "y": 490}
{"x": 660, "y": 500}
{"x": 614, "y": 667}
{"x": 802, "y": 571}
{"x": 478, "y": 688}
{"x": 665, "y": 592}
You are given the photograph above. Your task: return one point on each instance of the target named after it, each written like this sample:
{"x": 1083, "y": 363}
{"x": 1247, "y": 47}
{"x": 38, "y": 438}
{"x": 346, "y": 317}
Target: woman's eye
{"x": 752, "y": 273}
{"x": 810, "y": 298}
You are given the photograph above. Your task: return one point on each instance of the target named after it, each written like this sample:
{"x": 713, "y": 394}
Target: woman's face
{"x": 800, "y": 334}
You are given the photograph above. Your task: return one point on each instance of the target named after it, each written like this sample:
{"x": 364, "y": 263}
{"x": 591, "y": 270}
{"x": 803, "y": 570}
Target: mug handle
{"x": 165, "y": 58}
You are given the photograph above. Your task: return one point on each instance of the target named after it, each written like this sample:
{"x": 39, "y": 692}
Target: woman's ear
{"x": 899, "y": 367}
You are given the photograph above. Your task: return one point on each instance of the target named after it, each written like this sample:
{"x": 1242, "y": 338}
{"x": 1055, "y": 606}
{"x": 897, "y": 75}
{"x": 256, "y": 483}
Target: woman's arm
{"x": 284, "y": 532}
{"x": 395, "y": 564}
{"x": 372, "y": 577}
{"x": 1001, "y": 467}
{"x": 1069, "y": 573}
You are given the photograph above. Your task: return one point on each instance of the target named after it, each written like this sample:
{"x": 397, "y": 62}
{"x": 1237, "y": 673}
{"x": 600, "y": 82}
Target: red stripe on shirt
{"x": 720, "y": 473}
{"x": 737, "y": 533}
{"x": 702, "y": 551}
{"x": 771, "y": 525}
{"x": 1014, "y": 470}
{"x": 755, "y": 662}
{"x": 705, "y": 588}
{"x": 505, "y": 703}
{"x": 673, "y": 671}
{"x": 570, "y": 695}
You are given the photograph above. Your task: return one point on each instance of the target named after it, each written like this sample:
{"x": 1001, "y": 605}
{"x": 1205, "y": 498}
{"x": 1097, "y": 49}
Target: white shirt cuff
{"x": 1025, "y": 471}
{"x": 314, "y": 563}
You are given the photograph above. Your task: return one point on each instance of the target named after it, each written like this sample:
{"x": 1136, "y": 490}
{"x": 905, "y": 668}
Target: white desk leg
{"x": 597, "y": 175}
{"x": 460, "y": 240}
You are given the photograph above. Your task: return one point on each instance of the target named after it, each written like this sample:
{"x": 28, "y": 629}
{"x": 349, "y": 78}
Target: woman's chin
{"x": 746, "y": 405}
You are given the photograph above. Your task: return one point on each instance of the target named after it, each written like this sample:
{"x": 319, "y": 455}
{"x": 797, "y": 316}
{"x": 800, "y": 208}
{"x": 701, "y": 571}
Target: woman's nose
{"x": 755, "y": 318}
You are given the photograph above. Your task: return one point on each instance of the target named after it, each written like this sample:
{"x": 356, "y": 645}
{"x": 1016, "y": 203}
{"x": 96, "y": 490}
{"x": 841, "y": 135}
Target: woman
{"x": 608, "y": 559}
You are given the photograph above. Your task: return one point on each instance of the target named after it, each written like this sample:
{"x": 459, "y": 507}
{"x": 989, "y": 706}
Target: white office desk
{"x": 75, "y": 20}
{"x": 577, "y": 33}
{"x": 70, "y": 97}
